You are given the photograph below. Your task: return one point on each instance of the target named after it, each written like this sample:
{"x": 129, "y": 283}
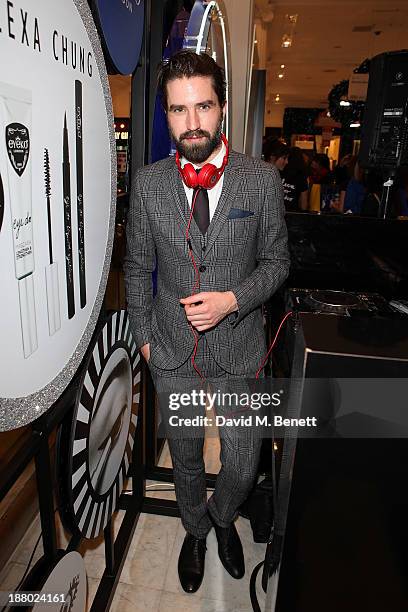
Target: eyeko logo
{"x": 18, "y": 146}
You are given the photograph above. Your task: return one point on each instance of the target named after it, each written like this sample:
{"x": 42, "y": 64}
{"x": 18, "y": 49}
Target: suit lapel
{"x": 182, "y": 207}
{"x": 228, "y": 194}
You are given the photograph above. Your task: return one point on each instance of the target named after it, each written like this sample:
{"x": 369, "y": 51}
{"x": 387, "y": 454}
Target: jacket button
{"x": 202, "y": 268}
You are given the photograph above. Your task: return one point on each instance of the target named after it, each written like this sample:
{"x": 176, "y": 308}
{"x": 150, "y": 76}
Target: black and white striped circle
{"x": 103, "y": 427}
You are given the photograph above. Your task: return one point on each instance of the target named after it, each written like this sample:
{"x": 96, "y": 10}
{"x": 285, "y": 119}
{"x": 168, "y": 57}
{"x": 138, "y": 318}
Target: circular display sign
{"x": 95, "y": 449}
{"x": 207, "y": 33}
{"x": 121, "y": 25}
{"x": 58, "y": 171}
{"x": 63, "y": 588}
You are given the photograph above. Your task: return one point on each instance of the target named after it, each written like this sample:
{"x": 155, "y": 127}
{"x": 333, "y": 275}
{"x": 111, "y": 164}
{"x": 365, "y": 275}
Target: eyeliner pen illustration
{"x": 51, "y": 270}
{"x": 80, "y": 190}
{"x": 66, "y": 185}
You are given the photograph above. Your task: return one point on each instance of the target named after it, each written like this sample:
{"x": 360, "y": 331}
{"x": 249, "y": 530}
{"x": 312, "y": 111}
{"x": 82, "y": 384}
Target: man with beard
{"x": 221, "y": 252}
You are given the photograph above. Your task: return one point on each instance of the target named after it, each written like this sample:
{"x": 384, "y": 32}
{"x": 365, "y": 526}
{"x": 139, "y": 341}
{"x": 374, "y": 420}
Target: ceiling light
{"x": 328, "y": 114}
{"x": 345, "y": 103}
{"x": 277, "y": 98}
{"x": 280, "y": 75}
{"x": 282, "y": 66}
{"x": 255, "y": 42}
{"x": 286, "y": 41}
{"x": 355, "y": 125}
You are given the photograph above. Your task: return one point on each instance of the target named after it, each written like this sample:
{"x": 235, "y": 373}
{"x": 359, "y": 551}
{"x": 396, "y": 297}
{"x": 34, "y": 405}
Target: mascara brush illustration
{"x": 51, "y": 269}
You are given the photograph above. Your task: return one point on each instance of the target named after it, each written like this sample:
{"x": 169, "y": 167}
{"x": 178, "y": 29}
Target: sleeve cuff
{"x": 233, "y": 317}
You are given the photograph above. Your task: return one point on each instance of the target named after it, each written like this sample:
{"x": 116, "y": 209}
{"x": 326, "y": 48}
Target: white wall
{"x": 240, "y": 27}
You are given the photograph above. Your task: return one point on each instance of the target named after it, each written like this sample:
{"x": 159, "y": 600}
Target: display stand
{"x": 37, "y": 447}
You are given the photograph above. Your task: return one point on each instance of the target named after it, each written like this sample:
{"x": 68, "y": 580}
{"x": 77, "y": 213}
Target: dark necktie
{"x": 201, "y": 211}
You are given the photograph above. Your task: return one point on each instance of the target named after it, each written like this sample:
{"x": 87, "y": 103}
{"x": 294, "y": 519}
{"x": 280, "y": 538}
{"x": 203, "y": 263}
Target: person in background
{"x": 400, "y": 195}
{"x": 276, "y": 152}
{"x": 355, "y": 192}
{"x": 320, "y": 170}
{"x": 293, "y": 171}
{"x": 371, "y": 204}
{"x": 294, "y": 180}
{"x": 343, "y": 173}
{"x": 319, "y": 180}
{"x": 352, "y": 191}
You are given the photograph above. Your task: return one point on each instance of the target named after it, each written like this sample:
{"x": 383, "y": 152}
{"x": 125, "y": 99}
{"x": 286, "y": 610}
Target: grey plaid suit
{"x": 245, "y": 251}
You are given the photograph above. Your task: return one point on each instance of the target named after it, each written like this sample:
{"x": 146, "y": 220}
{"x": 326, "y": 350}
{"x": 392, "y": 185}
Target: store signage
{"x": 358, "y": 85}
{"x": 57, "y": 199}
{"x": 121, "y": 135}
{"x": 121, "y": 129}
{"x": 65, "y": 587}
{"x": 206, "y": 32}
{"x": 95, "y": 449}
{"x": 121, "y": 24}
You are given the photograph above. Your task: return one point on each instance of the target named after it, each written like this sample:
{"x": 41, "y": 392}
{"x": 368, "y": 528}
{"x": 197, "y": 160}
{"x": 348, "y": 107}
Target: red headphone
{"x": 209, "y": 174}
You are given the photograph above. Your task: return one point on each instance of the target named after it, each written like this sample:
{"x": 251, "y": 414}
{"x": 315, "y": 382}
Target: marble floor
{"x": 149, "y": 579}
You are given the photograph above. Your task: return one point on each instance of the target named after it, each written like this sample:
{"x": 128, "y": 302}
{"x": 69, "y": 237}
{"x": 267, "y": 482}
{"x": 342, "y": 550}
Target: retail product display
{"x": 57, "y": 199}
{"x": 15, "y": 110}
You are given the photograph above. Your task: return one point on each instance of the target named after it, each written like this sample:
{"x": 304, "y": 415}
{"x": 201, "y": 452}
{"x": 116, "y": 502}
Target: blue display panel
{"x": 121, "y": 26}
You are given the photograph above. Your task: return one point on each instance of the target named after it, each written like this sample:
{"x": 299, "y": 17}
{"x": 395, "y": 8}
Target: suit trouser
{"x": 240, "y": 444}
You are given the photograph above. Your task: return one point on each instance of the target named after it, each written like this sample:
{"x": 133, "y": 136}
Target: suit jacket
{"x": 244, "y": 250}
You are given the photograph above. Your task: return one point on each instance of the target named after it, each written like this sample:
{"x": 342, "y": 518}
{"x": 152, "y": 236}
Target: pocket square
{"x": 239, "y": 213}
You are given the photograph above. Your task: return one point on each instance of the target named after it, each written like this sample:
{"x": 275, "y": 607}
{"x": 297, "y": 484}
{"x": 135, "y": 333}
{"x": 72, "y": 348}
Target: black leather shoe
{"x": 191, "y": 563}
{"x": 230, "y": 550}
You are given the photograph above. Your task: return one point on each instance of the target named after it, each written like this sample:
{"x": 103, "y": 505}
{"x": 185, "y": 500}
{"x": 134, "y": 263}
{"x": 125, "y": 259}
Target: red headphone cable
{"x": 265, "y": 359}
{"x": 197, "y": 286}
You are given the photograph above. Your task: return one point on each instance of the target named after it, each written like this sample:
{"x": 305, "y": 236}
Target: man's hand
{"x": 145, "y": 350}
{"x": 204, "y": 310}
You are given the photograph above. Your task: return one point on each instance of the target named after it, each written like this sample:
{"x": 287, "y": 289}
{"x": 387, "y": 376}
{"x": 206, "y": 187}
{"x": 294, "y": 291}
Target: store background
{"x": 329, "y": 41}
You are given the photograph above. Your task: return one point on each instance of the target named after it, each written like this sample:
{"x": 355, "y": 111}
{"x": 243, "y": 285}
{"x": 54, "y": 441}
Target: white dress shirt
{"x": 215, "y": 192}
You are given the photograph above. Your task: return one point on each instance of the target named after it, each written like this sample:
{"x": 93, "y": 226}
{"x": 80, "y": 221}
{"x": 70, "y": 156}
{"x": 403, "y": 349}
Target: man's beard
{"x": 197, "y": 153}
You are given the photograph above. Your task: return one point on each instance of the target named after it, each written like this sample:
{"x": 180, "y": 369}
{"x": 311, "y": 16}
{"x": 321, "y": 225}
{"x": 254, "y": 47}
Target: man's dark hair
{"x": 188, "y": 64}
{"x": 274, "y": 148}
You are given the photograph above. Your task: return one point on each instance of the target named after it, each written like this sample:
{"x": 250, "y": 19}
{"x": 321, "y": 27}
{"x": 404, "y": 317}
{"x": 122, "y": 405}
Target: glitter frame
{"x": 21, "y": 411}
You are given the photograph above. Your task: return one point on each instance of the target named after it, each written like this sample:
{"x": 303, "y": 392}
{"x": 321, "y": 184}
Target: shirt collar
{"x": 217, "y": 161}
